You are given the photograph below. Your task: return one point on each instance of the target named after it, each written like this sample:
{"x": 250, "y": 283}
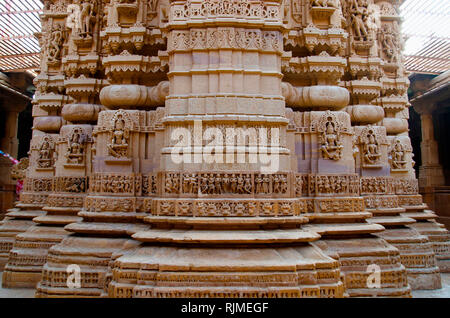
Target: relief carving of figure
{"x": 87, "y": 17}
{"x": 332, "y": 146}
{"x": 359, "y": 17}
{"x": 55, "y": 43}
{"x": 258, "y": 182}
{"x": 389, "y": 43}
{"x": 171, "y": 184}
{"x": 76, "y": 145}
{"x": 46, "y": 152}
{"x": 119, "y": 142}
{"x": 398, "y": 156}
{"x": 82, "y": 18}
{"x": 371, "y": 149}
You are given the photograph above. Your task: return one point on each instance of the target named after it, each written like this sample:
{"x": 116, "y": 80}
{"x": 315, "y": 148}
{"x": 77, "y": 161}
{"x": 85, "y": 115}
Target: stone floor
{"x": 440, "y": 293}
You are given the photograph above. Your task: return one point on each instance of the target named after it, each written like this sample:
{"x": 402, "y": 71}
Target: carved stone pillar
{"x": 214, "y": 189}
{"x": 8, "y": 144}
{"x": 431, "y": 173}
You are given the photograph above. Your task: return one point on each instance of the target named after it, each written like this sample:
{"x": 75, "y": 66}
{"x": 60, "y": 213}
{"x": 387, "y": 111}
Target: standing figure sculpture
{"x": 87, "y": 15}
{"x": 56, "y": 40}
{"x": 389, "y": 43}
{"x": 359, "y": 15}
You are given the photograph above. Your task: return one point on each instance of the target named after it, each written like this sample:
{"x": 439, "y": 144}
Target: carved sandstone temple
{"x": 222, "y": 148}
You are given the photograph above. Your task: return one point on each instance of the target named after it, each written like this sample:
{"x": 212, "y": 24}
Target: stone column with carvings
{"x": 372, "y": 102}
{"x": 327, "y": 144}
{"x": 225, "y": 180}
{"x": 82, "y": 83}
{"x": 394, "y": 100}
{"x": 47, "y": 104}
{"x": 113, "y": 63}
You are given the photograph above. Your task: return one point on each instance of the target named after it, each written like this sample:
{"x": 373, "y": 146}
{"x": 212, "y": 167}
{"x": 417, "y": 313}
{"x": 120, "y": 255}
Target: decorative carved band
{"x": 329, "y": 185}
{"x": 70, "y": 201}
{"x": 237, "y": 9}
{"x": 117, "y": 184}
{"x": 212, "y": 38}
{"x": 70, "y": 184}
{"x": 222, "y": 208}
{"x": 38, "y": 184}
{"x": 377, "y": 185}
{"x": 382, "y": 202}
{"x": 242, "y": 184}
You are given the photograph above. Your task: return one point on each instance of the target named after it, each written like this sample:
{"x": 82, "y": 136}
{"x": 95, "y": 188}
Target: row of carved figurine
{"x": 83, "y": 18}
{"x": 330, "y": 139}
{"x": 214, "y": 183}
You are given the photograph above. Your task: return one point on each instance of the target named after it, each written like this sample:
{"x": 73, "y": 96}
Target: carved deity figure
{"x": 119, "y": 141}
{"x": 389, "y": 43}
{"x": 75, "y": 149}
{"x": 190, "y": 183}
{"x": 398, "y": 156}
{"x": 331, "y": 145}
{"x": 56, "y": 40}
{"x": 371, "y": 149}
{"x": 46, "y": 151}
{"x": 359, "y": 17}
{"x": 87, "y": 16}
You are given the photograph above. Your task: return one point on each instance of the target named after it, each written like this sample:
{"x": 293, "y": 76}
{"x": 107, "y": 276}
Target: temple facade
{"x": 222, "y": 148}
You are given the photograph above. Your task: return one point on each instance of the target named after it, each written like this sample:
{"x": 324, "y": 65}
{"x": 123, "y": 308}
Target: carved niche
{"x": 55, "y": 42}
{"x": 390, "y": 42}
{"x": 364, "y": 22}
{"x": 76, "y": 146}
{"x": 82, "y": 18}
{"x": 370, "y": 142}
{"x": 397, "y": 155}
{"x": 329, "y": 129}
{"x": 46, "y": 152}
{"x": 119, "y": 141}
